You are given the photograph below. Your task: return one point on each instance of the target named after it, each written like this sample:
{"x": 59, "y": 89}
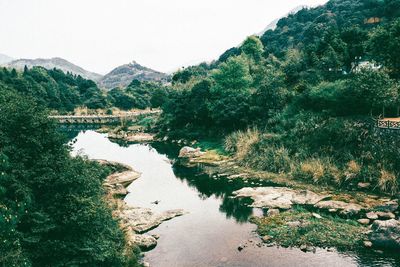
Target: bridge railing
{"x": 100, "y": 119}
{"x": 388, "y": 124}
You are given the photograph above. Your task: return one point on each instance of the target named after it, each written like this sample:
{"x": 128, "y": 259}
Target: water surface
{"x": 216, "y": 224}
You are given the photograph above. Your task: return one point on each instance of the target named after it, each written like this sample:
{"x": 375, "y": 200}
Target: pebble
{"x": 266, "y": 238}
{"x": 272, "y": 212}
{"x": 364, "y": 221}
{"x": 367, "y": 244}
{"x": 317, "y": 216}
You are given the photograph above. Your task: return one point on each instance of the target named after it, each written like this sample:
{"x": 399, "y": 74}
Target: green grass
{"x": 216, "y": 145}
{"x": 326, "y": 232}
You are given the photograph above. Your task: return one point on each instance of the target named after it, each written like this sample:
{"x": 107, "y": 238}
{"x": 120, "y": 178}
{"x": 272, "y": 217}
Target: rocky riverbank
{"x": 304, "y": 215}
{"x": 135, "y": 221}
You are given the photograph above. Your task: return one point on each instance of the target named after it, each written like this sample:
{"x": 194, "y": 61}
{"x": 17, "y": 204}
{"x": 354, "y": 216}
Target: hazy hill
{"x": 52, "y": 63}
{"x": 123, "y": 75}
{"x": 5, "y": 59}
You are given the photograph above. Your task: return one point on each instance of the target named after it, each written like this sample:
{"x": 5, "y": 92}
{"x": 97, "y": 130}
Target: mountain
{"x": 52, "y": 63}
{"x": 5, "y": 59}
{"x": 123, "y": 75}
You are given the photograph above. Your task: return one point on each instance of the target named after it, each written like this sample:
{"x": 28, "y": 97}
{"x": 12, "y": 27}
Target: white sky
{"x": 99, "y": 35}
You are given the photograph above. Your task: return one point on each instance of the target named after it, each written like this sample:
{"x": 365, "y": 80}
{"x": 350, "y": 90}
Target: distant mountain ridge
{"x": 123, "y": 75}
{"x": 56, "y": 62}
{"x": 5, "y": 59}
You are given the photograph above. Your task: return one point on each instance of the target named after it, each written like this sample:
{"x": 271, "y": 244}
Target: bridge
{"x": 389, "y": 123}
{"x": 101, "y": 119}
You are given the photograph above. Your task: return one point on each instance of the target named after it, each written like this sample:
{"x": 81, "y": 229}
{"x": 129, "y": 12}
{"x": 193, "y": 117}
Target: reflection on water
{"x": 216, "y": 224}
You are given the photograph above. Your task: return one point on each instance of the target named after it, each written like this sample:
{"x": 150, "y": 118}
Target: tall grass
{"x": 387, "y": 182}
{"x": 239, "y": 143}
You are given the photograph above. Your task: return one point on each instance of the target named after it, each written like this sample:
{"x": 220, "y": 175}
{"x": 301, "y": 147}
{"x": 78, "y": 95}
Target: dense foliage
{"x": 52, "y": 208}
{"x": 53, "y": 88}
{"x": 139, "y": 95}
{"x": 310, "y": 89}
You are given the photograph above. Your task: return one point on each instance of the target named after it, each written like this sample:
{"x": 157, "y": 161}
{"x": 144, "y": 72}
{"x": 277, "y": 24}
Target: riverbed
{"x": 216, "y": 225}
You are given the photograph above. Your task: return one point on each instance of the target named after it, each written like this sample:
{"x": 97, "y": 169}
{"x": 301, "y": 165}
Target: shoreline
{"x": 338, "y": 213}
{"x": 135, "y": 222}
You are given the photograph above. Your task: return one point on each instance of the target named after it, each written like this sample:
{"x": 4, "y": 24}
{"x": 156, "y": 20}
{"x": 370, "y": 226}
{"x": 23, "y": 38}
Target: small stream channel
{"x": 216, "y": 224}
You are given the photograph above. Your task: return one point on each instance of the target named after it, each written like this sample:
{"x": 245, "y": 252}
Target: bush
{"x": 320, "y": 171}
{"x": 240, "y": 142}
{"x": 387, "y": 182}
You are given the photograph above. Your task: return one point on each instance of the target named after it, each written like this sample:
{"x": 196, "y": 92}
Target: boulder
{"x": 124, "y": 178}
{"x": 372, "y": 215}
{"x": 279, "y": 197}
{"x": 272, "y": 212}
{"x": 190, "y": 152}
{"x": 385, "y": 215}
{"x": 363, "y": 185}
{"x": 364, "y": 221}
{"x": 367, "y": 244}
{"x": 386, "y": 234}
{"x": 317, "y": 216}
{"x": 266, "y": 238}
{"x": 143, "y": 219}
{"x": 144, "y": 241}
{"x": 343, "y": 208}
{"x": 389, "y": 206}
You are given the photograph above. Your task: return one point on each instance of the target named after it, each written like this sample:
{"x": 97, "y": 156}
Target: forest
{"x": 303, "y": 99}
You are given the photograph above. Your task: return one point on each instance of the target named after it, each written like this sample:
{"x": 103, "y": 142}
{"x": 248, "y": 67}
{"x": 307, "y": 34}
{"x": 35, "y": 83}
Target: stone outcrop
{"x": 131, "y": 137}
{"x": 123, "y": 178}
{"x": 135, "y": 221}
{"x": 190, "y": 152}
{"x": 279, "y": 197}
{"x": 389, "y": 206}
{"x": 343, "y": 208}
{"x": 386, "y": 234}
{"x": 142, "y": 220}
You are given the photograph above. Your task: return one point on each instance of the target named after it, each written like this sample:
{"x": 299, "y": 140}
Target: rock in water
{"x": 279, "y": 197}
{"x": 143, "y": 219}
{"x": 190, "y": 152}
{"x": 386, "y": 234}
{"x": 124, "y": 178}
{"x": 144, "y": 241}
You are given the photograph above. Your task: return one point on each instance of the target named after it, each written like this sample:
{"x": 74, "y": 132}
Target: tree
{"x": 253, "y": 48}
{"x": 233, "y": 75}
{"x": 370, "y": 90}
{"x": 384, "y": 46}
{"x": 56, "y": 215}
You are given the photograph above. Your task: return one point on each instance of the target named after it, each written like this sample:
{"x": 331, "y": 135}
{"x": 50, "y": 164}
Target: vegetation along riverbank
{"x": 309, "y": 110}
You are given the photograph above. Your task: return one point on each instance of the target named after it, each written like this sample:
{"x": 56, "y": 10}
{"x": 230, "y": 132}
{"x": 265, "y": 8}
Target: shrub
{"x": 319, "y": 171}
{"x": 387, "y": 182}
{"x": 270, "y": 158}
{"x": 352, "y": 171}
{"x": 240, "y": 142}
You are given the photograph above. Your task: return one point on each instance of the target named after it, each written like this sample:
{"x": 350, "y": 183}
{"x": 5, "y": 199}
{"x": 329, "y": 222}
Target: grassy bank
{"x": 298, "y": 227}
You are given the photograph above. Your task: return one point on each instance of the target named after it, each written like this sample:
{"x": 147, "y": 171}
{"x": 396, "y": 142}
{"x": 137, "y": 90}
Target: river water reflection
{"x": 216, "y": 224}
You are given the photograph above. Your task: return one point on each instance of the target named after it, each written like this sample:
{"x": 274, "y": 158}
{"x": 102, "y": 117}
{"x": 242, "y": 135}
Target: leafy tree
{"x": 253, "y": 48}
{"x": 370, "y": 90}
{"x": 53, "y": 211}
{"x": 384, "y": 46}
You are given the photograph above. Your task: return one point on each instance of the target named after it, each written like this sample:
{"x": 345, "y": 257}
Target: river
{"x": 209, "y": 235}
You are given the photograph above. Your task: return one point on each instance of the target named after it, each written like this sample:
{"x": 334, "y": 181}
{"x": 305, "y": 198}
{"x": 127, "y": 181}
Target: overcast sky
{"x": 162, "y": 34}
